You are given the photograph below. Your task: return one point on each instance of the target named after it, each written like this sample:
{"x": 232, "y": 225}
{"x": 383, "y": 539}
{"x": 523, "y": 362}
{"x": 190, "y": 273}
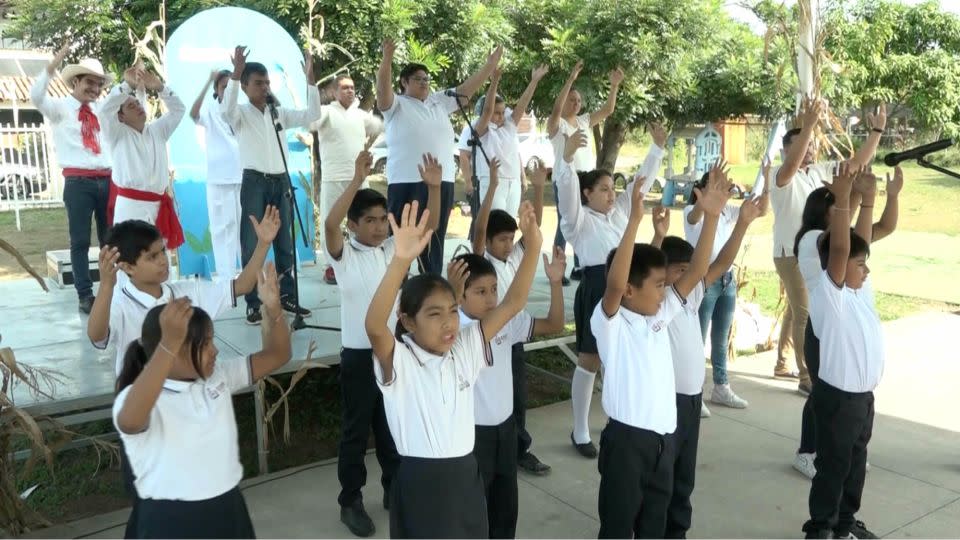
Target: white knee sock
{"x": 581, "y": 393}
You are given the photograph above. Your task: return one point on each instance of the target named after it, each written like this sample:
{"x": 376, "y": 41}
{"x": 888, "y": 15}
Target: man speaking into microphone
{"x": 264, "y": 181}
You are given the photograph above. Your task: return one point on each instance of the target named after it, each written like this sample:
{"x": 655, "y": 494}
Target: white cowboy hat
{"x": 87, "y": 66}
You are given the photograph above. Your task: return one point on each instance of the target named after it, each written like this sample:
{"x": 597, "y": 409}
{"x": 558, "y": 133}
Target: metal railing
{"x": 28, "y": 178}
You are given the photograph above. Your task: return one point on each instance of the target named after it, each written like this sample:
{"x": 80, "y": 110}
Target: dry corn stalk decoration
{"x": 283, "y": 400}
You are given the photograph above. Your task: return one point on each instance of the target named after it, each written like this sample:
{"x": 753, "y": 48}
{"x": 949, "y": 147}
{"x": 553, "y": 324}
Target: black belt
{"x": 268, "y": 176}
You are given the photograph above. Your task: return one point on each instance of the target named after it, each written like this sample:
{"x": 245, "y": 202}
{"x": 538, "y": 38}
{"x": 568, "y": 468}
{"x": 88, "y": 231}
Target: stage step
{"x": 60, "y": 271}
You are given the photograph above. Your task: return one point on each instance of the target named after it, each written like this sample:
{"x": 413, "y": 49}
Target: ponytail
{"x": 134, "y": 361}
{"x": 399, "y": 331}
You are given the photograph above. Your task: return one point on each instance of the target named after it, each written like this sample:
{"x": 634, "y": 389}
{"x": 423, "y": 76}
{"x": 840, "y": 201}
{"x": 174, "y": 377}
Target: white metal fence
{"x": 28, "y": 178}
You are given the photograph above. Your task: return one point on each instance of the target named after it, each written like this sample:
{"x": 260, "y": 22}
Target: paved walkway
{"x": 746, "y": 487}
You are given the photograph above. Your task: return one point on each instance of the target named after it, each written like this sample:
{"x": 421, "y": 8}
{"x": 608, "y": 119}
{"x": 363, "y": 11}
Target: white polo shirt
{"x": 343, "y": 133}
{"x": 725, "y": 225}
{"x": 638, "y": 384}
{"x": 493, "y": 392}
{"x": 851, "y": 338}
{"x": 788, "y": 202}
{"x": 584, "y": 159}
{"x": 223, "y": 154}
{"x": 506, "y": 270}
{"x": 499, "y": 142}
{"x": 130, "y": 305}
{"x": 686, "y": 345}
{"x": 591, "y": 233}
{"x": 359, "y": 271}
{"x": 429, "y": 400}
{"x": 189, "y": 450}
{"x": 808, "y": 259}
{"x": 414, "y": 128}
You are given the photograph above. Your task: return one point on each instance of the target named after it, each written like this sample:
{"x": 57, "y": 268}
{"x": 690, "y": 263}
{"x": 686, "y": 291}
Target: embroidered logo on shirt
{"x": 462, "y": 383}
{"x": 657, "y": 326}
{"x": 214, "y": 392}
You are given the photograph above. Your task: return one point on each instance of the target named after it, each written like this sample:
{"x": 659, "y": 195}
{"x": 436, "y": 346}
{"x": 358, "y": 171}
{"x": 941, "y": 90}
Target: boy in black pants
{"x": 851, "y": 363}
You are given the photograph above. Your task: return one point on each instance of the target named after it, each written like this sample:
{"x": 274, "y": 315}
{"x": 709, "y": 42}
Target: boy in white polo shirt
{"x": 851, "y": 364}
{"x": 687, "y": 351}
{"x": 630, "y": 325}
{"x": 360, "y": 263}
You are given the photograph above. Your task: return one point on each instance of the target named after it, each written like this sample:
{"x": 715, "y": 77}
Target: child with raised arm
{"x": 593, "y": 219}
{"x": 426, "y": 370}
{"x": 630, "y": 325}
{"x": 851, "y": 364}
{"x": 174, "y": 413}
{"x": 360, "y": 263}
{"x": 496, "y": 432}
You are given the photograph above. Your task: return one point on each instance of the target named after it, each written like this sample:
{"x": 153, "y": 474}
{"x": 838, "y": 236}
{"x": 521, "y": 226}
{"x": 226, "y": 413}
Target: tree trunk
{"x": 614, "y": 134}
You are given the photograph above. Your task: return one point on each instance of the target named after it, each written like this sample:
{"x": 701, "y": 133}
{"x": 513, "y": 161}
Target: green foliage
{"x": 197, "y": 244}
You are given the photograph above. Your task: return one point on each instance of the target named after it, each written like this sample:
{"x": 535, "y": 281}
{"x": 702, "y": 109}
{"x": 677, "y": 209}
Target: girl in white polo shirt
{"x": 426, "y": 370}
{"x": 174, "y": 413}
{"x": 593, "y": 218}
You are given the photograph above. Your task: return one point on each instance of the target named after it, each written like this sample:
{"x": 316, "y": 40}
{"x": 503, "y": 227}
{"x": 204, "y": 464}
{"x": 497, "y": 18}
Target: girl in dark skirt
{"x": 174, "y": 413}
{"x": 426, "y": 370}
{"x": 593, "y": 219}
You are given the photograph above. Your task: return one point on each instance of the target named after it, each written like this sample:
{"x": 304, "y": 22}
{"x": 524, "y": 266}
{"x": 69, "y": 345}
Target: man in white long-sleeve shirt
{"x": 141, "y": 176}
{"x": 82, "y": 154}
{"x": 343, "y": 128}
{"x": 264, "y": 179}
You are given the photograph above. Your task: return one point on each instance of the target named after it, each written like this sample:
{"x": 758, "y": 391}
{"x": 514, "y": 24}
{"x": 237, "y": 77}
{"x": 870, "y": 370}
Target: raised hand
{"x": 410, "y": 236}
{"x": 750, "y": 210}
{"x": 573, "y": 143}
{"x": 495, "y": 56}
{"x": 659, "y": 133}
{"x": 538, "y": 174}
{"x": 495, "y": 76}
{"x": 557, "y": 268}
{"x": 430, "y": 171}
{"x": 268, "y": 227}
{"x": 532, "y": 238}
{"x": 389, "y": 47}
{"x": 843, "y": 179}
{"x": 58, "y": 58}
{"x": 151, "y": 81}
{"x": 636, "y": 198}
{"x": 616, "y": 76}
{"x": 539, "y": 72}
{"x": 239, "y": 60}
{"x": 133, "y": 75}
{"x": 457, "y": 274}
{"x": 362, "y": 165}
{"x": 268, "y": 289}
{"x": 765, "y": 166}
{"x": 174, "y": 320}
{"x": 494, "y": 165}
{"x": 716, "y": 193}
{"x": 895, "y": 185}
{"x": 308, "y": 66}
{"x": 107, "y": 261}
{"x": 865, "y": 183}
{"x": 810, "y": 115}
{"x": 878, "y": 120}
{"x": 661, "y": 220}
{"x": 575, "y": 72}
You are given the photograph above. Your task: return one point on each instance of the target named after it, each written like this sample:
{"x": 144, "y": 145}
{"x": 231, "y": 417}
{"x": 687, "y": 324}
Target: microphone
{"x": 894, "y": 158}
{"x": 452, "y": 92}
{"x": 272, "y": 105}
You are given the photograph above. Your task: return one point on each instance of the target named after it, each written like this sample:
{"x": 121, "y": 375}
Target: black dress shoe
{"x": 576, "y": 274}
{"x": 565, "y": 281}
{"x": 357, "y": 520}
{"x": 86, "y": 305}
{"x": 292, "y": 307}
{"x": 587, "y": 450}
{"x": 532, "y": 465}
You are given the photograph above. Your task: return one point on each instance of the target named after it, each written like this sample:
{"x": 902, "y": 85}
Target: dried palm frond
{"x": 283, "y": 401}
{"x": 22, "y": 261}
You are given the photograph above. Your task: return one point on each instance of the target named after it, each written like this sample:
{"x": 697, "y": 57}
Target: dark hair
{"x": 408, "y": 71}
{"x": 414, "y": 291}
{"x": 482, "y": 102}
{"x": 645, "y": 258}
{"x": 814, "y": 216}
{"x": 364, "y": 200}
{"x": 677, "y": 250}
{"x": 858, "y": 246}
{"x": 216, "y": 82}
{"x": 589, "y": 179}
{"x": 252, "y": 68}
{"x": 132, "y": 238}
{"x": 500, "y": 221}
{"x": 477, "y": 265}
{"x": 341, "y": 77}
{"x": 789, "y": 135}
{"x": 700, "y": 184}
{"x": 140, "y": 351}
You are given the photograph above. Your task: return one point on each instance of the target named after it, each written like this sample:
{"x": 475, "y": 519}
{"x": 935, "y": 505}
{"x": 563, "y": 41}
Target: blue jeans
{"x": 256, "y": 192}
{"x": 719, "y": 304}
{"x": 399, "y": 194}
{"x": 558, "y": 239}
{"x": 84, "y": 197}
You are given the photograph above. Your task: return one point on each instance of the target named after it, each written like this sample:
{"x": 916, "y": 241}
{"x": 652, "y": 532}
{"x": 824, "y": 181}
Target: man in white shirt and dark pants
{"x": 343, "y": 128}
{"x": 265, "y": 181}
{"x": 223, "y": 175}
{"x": 83, "y": 155}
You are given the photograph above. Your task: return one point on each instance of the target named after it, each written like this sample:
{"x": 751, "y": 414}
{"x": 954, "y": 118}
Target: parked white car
{"x": 380, "y": 154}
{"x": 19, "y": 181}
{"x": 535, "y": 145}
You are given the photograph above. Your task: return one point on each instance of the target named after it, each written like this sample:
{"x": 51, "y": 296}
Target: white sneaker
{"x": 704, "y": 411}
{"x": 723, "y": 395}
{"x": 804, "y": 464}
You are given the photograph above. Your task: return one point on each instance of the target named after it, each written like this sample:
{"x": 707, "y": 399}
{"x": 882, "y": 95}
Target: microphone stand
{"x": 298, "y": 322}
{"x": 474, "y": 143}
{"x": 922, "y": 161}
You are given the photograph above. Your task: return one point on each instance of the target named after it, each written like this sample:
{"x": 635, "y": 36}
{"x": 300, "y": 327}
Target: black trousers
{"x": 686, "y": 439}
{"x": 844, "y": 427}
{"x": 811, "y": 355}
{"x": 519, "y": 359}
{"x": 438, "y": 498}
{"x": 361, "y": 409}
{"x": 224, "y": 516}
{"x": 496, "y": 453}
{"x": 636, "y": 481}
{"x": 431, "y": 260}
{"x": 126, "y": 475}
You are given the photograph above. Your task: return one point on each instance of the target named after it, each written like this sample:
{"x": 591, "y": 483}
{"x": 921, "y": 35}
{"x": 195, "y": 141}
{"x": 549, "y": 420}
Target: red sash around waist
{"x": 167, "y": 221}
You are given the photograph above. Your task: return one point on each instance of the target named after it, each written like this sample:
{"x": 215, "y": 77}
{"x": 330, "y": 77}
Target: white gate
{"x": 28, "y": 178}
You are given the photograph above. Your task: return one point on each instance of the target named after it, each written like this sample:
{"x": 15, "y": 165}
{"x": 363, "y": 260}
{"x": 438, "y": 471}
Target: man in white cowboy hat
{"x": 82, "y": 154}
